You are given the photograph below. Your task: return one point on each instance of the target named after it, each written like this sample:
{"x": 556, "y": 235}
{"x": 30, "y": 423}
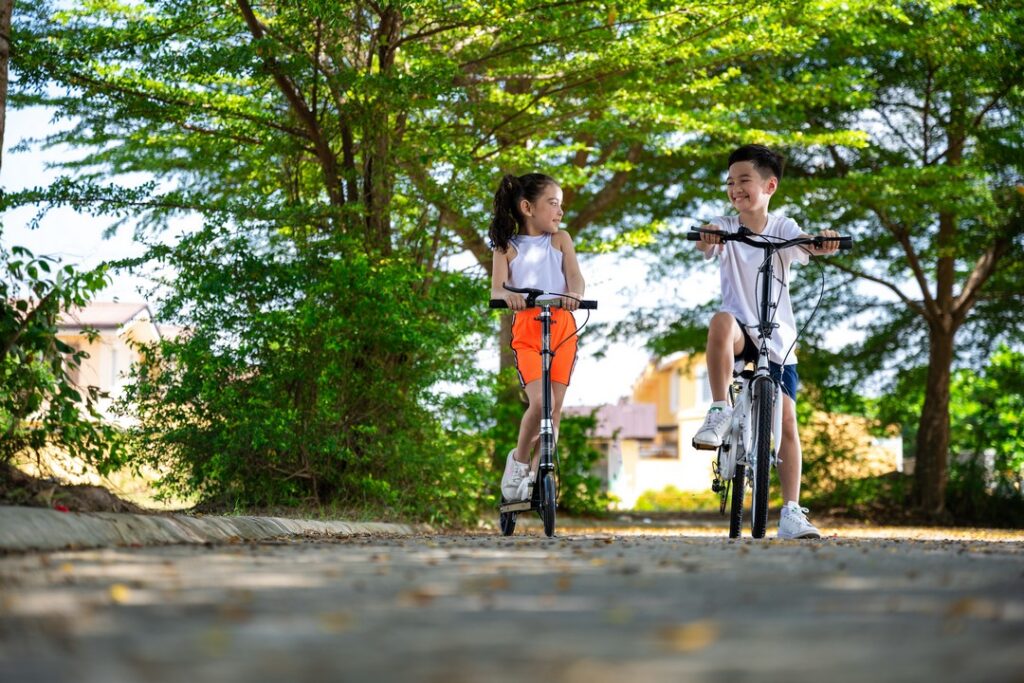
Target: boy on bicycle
{"x": 754, "y": 175}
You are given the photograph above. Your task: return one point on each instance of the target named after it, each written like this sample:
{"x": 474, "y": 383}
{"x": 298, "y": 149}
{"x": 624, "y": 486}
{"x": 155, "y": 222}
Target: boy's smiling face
{"x": 748, "y": 190}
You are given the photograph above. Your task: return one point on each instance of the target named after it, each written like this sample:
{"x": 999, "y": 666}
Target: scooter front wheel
{"x": 549, "y": 496}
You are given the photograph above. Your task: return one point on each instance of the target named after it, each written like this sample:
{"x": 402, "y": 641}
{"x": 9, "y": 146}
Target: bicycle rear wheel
{"x": 764, "y": 405}
{"x": 739, "y": 486}
{"x": 548, "y": 499}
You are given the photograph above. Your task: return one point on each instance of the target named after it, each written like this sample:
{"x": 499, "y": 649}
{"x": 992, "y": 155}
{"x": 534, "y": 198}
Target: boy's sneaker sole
{"x": 705, "y": 446}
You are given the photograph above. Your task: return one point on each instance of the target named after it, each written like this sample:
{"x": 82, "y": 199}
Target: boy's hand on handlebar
{"x": 571, "y": 304}
{"x": 828, "y": 246}
{"x": 708, "y": 240}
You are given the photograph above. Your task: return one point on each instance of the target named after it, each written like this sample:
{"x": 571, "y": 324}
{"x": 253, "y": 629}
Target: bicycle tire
{"x": 548, "y": 501}
{"x": 508, "y": 523}
{"x": 739, "y": 485}
{"x": 765, "y": 404}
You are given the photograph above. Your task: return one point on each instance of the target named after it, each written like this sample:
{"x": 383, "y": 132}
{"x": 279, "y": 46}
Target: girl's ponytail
{"x": 505, "y": 217}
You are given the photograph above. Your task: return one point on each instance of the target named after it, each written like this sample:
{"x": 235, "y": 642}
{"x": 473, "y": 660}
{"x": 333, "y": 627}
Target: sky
{"x": 618, "y": 283}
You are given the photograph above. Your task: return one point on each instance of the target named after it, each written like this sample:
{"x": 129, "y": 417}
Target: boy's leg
{"x": 793, "y": 523}
{"x": 725, "y": 343}
{"x": 790, "y": 454}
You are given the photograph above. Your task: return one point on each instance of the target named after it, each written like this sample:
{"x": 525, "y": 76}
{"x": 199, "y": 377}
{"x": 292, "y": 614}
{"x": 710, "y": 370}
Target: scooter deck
{"x": 517, "y": 506}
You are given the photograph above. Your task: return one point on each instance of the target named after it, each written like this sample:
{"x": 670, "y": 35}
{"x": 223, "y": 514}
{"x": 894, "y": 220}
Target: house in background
{"x": 648, "y": 440}
{"x": 112, "y": 353}
{"x": 624, "y": 432}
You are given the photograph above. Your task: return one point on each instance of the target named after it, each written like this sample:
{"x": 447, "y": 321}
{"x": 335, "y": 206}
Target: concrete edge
{"x": 27, "y": 529}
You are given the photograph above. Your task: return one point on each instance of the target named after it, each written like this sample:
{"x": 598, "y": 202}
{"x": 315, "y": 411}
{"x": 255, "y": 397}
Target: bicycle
{"x": 749, "y": 449}
{"x": 544, "y": 498}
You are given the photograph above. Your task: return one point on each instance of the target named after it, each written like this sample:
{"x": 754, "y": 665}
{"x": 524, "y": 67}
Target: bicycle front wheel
{"x": 764, "y": 409}
{"x": 548, "y": 498}
{"x": 739, "y": 488}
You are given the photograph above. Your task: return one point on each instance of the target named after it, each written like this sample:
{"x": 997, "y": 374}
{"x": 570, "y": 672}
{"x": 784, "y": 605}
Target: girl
{"x": 530, "y": 251}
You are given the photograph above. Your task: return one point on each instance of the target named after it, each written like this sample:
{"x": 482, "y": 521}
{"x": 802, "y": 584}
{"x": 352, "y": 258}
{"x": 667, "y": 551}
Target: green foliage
{"x": 987, "y": 411}
{"x": 306, "y": 377}
{"x": 581, "y": 490}
{"x": 40, "y": 405}
{"x": 671, "y": 499}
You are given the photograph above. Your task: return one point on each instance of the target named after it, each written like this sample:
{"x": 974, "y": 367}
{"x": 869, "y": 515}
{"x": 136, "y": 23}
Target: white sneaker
{"x": 515, "y": 474}
{"x": 793, "y": 523}
{"x": 716, "y": 424}
{"x": 526, "y": 487}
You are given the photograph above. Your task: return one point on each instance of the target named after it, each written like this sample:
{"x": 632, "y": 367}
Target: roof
{"x": 104, "y": 315}
{"x": 631, "y": 420}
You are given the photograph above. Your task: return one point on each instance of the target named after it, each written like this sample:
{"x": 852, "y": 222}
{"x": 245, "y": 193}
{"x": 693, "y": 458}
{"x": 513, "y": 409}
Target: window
{"x": 113, "y": 368}
{"x": 703, "y": 386}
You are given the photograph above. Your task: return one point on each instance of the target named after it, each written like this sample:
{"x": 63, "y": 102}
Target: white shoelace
{"x": 523, "y": 492}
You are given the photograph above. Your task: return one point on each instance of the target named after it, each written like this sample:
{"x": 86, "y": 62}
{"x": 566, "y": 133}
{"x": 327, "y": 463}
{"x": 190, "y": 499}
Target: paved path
{"x": 595, "y": 605}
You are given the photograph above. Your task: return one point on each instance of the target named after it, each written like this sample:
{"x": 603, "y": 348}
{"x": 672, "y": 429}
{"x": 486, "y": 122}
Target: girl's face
{"x": 544, "y": 214}
{"x": 747, "y": 188}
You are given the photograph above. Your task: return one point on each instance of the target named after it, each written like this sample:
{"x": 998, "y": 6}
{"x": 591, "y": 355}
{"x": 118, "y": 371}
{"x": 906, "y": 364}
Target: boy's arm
{"x": 571, "y": 269}
{"x": 499, "y": 276}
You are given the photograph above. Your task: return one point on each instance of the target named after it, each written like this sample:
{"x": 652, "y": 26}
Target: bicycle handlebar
{"x": 531, "y": 298}
{"x": 745, "y": 237}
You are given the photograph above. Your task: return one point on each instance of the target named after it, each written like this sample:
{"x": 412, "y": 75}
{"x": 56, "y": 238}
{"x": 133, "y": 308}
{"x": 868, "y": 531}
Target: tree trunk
{"x": 6, "y": 8}
{"x": 932, "y": 451}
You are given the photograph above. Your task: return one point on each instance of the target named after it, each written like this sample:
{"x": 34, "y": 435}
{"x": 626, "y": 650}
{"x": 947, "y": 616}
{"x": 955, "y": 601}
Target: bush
{"x": 40, "y": 405}
{"x": 304, "y": 377}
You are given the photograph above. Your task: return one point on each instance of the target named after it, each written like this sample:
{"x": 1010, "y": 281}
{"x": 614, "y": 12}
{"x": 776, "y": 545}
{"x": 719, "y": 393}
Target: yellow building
{"x": 678, "y": 388}
{"x": 119, "y": 326}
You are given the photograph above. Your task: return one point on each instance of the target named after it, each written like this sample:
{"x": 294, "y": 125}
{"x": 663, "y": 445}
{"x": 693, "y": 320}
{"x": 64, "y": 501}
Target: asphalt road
{"x": 593, "y": 605}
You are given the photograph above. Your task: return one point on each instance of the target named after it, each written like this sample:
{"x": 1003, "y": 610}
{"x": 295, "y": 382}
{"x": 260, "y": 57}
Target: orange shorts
{"x": 526, "y": 345}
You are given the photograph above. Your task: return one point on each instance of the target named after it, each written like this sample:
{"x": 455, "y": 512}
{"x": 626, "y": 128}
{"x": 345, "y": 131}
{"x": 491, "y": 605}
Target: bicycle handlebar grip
{"x": 845, "y": 243}
{"x": 498, "y": 303}
{"x": 693, "y": 236}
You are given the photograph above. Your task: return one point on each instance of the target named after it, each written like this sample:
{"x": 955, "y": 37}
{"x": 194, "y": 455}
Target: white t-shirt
{"x": 738, "y": 264}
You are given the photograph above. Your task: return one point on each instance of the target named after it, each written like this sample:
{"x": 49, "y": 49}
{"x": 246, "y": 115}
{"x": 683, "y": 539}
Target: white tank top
{"x": 537, "y": 264}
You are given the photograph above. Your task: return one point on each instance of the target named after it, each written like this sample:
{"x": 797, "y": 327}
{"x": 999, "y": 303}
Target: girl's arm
{"x": 571, "y": 270}
{"x": 499, "y": 276}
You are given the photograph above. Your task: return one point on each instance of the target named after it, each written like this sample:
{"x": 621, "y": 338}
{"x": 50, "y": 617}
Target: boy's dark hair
{"x": 507, "y": 219}
{"x": 765, "y": 160}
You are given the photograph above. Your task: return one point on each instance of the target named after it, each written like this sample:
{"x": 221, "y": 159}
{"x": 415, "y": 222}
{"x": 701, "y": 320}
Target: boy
{"x": 754, "y": 175}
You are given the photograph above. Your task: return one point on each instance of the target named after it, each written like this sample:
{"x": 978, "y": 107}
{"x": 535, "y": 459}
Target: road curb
{"x": 24, "y": 528}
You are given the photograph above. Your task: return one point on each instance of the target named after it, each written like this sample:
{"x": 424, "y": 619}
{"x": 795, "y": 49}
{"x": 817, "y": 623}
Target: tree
{"x": 349, "y": 131}
{"x": 934, "y": 199}
{"x": 930, "y": 188}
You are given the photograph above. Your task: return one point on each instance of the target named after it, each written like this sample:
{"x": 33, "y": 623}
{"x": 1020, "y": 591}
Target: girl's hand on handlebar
{"x": 515, "y": 301}
{"x": 571, "y": 304}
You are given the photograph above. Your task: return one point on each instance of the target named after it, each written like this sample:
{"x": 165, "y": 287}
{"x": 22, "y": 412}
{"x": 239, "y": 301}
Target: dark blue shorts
{"x": 784, "y": 374}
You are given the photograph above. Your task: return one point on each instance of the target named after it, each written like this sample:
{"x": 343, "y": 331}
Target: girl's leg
{"x": 725, "y": 342}
{"x": 789, "y": 452}
{"x": 529, "y": 427}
